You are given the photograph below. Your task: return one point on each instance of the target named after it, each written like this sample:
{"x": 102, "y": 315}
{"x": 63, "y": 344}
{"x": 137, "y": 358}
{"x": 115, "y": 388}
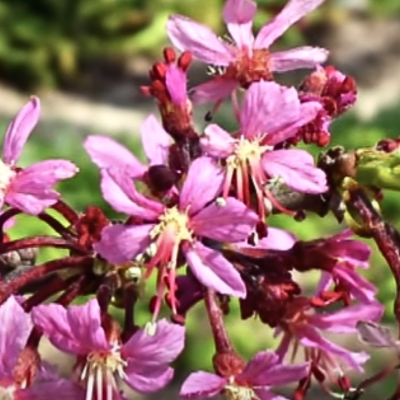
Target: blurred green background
{"x": 72, "y": 46}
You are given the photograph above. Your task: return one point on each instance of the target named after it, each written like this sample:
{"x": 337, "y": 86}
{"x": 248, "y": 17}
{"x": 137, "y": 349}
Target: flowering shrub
{"x": 200, "y": 225}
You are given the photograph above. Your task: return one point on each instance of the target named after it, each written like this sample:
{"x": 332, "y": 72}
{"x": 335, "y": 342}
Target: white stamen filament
{"x": 103, "y": 369}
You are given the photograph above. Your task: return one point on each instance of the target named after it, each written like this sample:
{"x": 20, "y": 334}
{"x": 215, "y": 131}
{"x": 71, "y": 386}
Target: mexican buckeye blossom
{"x": 142, "y": 362}
{"x": 22, "y": 376}
{"x": 254, "y": 381}
{"x": 29, "y": 189}
{"x": 270, "y": 114}
{"x": 247, "y": 59}
{"x": 174, "y": 229}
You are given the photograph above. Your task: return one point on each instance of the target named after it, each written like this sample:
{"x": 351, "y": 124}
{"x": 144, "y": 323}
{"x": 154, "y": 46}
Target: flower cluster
{"x": 195, "y": 217}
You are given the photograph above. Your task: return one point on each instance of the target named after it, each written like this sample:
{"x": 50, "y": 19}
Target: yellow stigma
{"x": 174, "y": 221}
{"x": 247, "y": 150}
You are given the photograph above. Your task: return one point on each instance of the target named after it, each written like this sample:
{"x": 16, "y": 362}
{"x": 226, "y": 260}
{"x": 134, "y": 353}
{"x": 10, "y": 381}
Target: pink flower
{"x": 261, "y": 373}
{"x": 270, "y": 114}
{"x": 37, "y": 383}
{"x": 174, "y": 229}
{"x": 247, "y": 59}
{"x": 142, "y": 362}
{"x": 29, "y": 189}
{"x": 301, "y": 326}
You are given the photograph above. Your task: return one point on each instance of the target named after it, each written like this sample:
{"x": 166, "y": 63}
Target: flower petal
{"x": 216, "y": 142}
{"x": 176, "y": 83}
{"x": 119, "y": 191}
{"x": 298, "y": 58}
{"x": 238, "y": 15}
{"x": 162, "y": 347}
{"x": 121, "y": 243}
{"x": 15, "y": 328}
{"x": 291, "y": 13}
{"x": 345, "y": 320}
{"x": 268, "y": 108}
{"x": 217, "y": 89}
{"x": 203, "y": 184}
{"x": 155, "y": 140}
{"x": 202, "y": 385}
{"x": 19, "y": 130}
{"x": 106, "y": 153}
{"x": 264, "y": 369}
{"x": 148, "y": 380}
{"x": 297, "y": 170}
{"x": 214, "y": 271}
{"x": 61, "y": 389}
{"x": 312, "y": 338}
{"x": 32, "y": 188}
{"x": 231, "y": 222}
{"x": 186, "y": 34}
{"x": 75, "y": 330}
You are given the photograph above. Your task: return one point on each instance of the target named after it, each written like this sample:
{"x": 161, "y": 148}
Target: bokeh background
{"x": 87, "y": 58}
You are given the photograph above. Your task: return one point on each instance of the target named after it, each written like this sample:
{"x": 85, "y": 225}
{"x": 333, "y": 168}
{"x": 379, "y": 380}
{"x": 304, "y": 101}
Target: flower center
{"x": 247, "y": 151}
{"x": 100, "y": 373}
{"x": 6, "y": 175}
{"x": 173, "y": 221}
{"x": 232, "y": 391}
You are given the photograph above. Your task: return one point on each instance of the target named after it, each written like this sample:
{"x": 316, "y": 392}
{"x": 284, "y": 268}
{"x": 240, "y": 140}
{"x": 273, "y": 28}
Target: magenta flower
{"x": 107, "y": 153}
{"x": 15, "y": 328}
{"x": 261, "y": 373}
{"x": 175, "y": 229}
{"x": 270, "y": 114}
{"x": 301, "y": 326}
{"x": 247, "y": 59}
{"x": 29, "y": 189}
{"x": 142, "y": 362}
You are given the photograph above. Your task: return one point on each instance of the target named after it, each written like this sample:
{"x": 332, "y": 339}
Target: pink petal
{"x": 155, "y": 141}
{"x": 19, "y": 130}
{"x": 60, "y": 389}
{"x": 176, "y": 83}
{"x": 300, "y": 57}
{"x": 44, "y": 173}
{"x": 345, "y": 320}
{"x": 265, "y": 394}
{"x": 217, "y": 89}
{"x": 311, "y": 338}
{"x": 230, "y": 222}
{"x": 186, "y": 34}
{"x": 202, "y": 385}
{"x": 121, "y": 243}
{"x": 32, "y": 188}
{"x": 277, "y": 239}
{"x": 152, "y": 350}
{"x": 264, "y": 369}
{"x": 216, "y": 142}
{"x": 75, "y": 330}
{"x": 106, "y": 153}
{"x": 203, "y": 184}
{"x": 118, "y": 190}
{"x": 297, "y": 170}
{"x": 291, "y": 13}
{"x": 238, "y": 15}
{"x": 15, "y": 328}
{"x": 268, "y": 107}
{"x": 214, "y": 271}
{"x": 148, "y": 380}
{"x": 306, "y": 113}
